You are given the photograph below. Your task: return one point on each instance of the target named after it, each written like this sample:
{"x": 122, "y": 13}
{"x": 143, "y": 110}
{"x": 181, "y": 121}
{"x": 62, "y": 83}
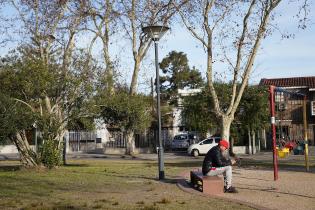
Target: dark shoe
{"x": 230, "y": 190}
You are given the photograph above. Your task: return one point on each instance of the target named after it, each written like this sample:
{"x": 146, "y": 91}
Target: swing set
{"x": 286, "y": 134}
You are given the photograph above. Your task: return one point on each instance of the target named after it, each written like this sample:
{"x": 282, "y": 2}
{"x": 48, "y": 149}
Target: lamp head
{"x": 155, "y": 32}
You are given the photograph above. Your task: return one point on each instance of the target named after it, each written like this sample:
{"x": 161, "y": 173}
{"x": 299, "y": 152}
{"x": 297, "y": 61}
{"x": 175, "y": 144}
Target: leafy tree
{"x": 131, "y": 113}
{"x": 196, "y": 115}
{"x": 36, "y": 94}
{"x": 198, "y": 111}
{"x": 252, "y": 113}
{"x": 178, "y": 75}
{"x": 254, "y": 110}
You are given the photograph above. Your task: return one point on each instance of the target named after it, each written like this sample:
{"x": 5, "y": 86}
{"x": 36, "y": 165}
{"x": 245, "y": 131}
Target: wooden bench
{"x": 212, "y": 185}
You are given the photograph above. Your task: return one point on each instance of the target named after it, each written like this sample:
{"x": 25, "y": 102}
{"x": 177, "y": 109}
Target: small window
{"x": 180, "y": 137}
{"x": 208, "y": 141}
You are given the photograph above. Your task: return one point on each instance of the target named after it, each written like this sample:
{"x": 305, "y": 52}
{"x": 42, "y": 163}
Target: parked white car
{"x": 203, "y": 146}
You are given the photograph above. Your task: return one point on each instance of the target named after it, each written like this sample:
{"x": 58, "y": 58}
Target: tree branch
{"x": 239, "y": 55}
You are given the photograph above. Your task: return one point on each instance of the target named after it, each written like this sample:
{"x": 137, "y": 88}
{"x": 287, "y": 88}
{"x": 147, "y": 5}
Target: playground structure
{"x": 288, "y": 139}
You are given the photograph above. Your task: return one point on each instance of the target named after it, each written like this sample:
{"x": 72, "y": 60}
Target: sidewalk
{"x": 292, "y": 191}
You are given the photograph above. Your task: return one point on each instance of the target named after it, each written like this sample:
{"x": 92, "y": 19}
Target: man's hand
{"x": 233, "y": 161}
{"x": 236, "y": 161}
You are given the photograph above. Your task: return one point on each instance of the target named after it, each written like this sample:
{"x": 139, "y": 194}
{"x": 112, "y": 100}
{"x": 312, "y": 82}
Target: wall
{"x": 240, "y": 149}
{"x": 8, "y": 149}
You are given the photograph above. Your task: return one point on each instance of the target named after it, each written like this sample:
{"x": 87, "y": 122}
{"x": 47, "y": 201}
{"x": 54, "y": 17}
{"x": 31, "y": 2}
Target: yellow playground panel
{"x": 282, "y": 153}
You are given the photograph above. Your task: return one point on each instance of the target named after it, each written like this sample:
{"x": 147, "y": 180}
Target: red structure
{"x": 289, "y": 104}
{"x": 273, "y": 128}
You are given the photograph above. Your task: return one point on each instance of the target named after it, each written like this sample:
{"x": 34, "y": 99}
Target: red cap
{"x": 224, "y": 143}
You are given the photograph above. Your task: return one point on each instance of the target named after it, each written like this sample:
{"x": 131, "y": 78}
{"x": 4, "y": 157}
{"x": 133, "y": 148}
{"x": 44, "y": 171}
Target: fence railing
{"x": 82, "y": 140}
{"x": 85, "y": 140}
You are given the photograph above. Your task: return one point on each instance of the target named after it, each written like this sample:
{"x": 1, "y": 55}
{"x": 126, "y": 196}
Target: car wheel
{"x": 195, "y": 153}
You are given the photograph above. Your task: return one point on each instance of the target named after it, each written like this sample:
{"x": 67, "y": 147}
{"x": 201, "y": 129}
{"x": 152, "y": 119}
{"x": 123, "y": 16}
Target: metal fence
{"x": 82, "y": 140}
{"x": 118, "y": 140}
{"x": 87, "y": 141}
{"x": 146, "y": 139}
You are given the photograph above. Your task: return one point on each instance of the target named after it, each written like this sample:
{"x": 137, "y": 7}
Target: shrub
{"x": 50, "y": 154}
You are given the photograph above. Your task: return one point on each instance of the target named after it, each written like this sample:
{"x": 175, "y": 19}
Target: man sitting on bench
{"x": 217, "y": 162}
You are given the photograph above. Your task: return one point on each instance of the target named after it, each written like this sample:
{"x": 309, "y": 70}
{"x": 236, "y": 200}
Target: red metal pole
{"x": 273, "y": 127}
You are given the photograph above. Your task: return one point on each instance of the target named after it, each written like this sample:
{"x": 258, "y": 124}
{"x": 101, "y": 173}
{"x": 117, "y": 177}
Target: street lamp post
{"x": 155, "y": 33}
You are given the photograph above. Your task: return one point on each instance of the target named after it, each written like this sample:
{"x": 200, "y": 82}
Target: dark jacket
{"x": 214, "y": 158}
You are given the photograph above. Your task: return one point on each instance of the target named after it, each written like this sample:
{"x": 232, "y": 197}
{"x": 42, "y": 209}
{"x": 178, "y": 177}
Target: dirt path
{"x": 293, "y": 190}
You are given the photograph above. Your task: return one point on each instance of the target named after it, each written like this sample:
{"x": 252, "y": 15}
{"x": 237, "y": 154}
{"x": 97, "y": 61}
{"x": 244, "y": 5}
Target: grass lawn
{"x": 101, "y": 184}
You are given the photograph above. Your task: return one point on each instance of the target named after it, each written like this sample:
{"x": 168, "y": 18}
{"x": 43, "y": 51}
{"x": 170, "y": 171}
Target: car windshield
{"x": 180, "y": 137}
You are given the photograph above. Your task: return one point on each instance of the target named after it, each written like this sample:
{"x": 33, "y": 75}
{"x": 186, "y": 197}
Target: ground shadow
{"x": 184, "y": 164}
{"x": 272, "y": 190}
{"x": 8, "y": 157}
{"x": 4, "y": 157}
{"x": 75, "y": 165}
{"x": 10, "y": 167}
{"x": 252, "y": 178}
{"x": 168, "y": 180}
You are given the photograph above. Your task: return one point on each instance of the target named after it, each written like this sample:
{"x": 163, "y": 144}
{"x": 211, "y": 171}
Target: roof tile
{"x": 290, "y": 82}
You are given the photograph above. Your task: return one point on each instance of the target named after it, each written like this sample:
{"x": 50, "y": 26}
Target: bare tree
{"x": 103, "y": 17}
{"x": 229, "y": 31}
{"x": 135, "y": 15}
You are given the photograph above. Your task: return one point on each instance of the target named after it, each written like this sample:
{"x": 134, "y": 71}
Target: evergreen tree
{"x": 177, "y": 75}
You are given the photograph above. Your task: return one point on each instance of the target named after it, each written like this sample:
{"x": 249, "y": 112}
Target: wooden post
{"x": 305, "y": 134}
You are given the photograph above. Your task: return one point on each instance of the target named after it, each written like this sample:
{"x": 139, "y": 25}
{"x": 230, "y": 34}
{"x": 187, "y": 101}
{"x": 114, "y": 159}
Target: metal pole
{"x": 305, "y": 135}
{"x": 273, "y": 127}
{"x": 160, "y": 154}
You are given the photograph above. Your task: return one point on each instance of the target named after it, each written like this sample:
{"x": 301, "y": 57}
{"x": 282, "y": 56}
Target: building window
{"x": 279, "y": 97}
{"x": 313, "y": 108}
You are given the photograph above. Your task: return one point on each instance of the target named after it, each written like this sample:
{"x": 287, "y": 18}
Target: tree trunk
{"x": 225, "y": 127}
{"x": 27, "y": 155}
{"x": 130, "y": 150}
{"x": 249, "y": 142}
{"x": 231, "y": 146}
{"x": 259, "y": 139}
{"x": 134, "y": 80}
{"x": 254, "y": 141}
{"x": 264, "y": 138}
